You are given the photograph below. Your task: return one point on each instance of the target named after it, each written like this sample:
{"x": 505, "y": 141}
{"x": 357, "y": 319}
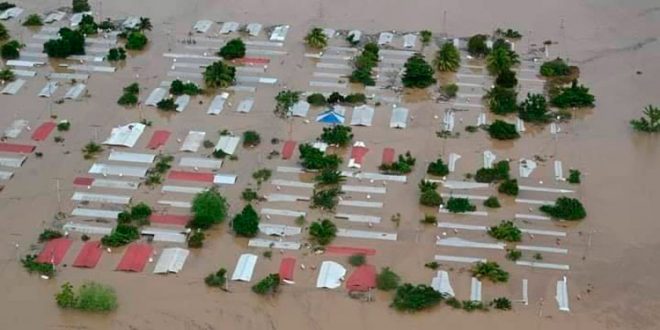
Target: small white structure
{"x": 475, "y": 290}
{"x": 253, "y": 29}
{"x": 49, "y": 89}
{"x": 218, "y": 104}
{"x": 562, "y": 295}
{"x": 273, "y": 244}
{"x": 385, "y": 38}
{"x": 74, "y": 92}
{"x": 77, "y": 18}
{"x": 14, "y": 162}
{"x": 322, "y": 146}
{"x": 463, "y": 243}
{"x": 245, "y": 106}
{"x": 441, "y": 283}
{"x": 489, "y": 159}
{"x": 453, "y": 158}
{"x": 214, "y": 164}
{"x": 554, "y": 128}
{"x": 182, "y": 102}
{"x": 132, "y": 157}
{"x": 226, "y": 179}
{"x": 520, "y": 125}
{"x": 131, "y": 22}
{"x": 481, "y": 120}
{"x": 25, "y": 64}
{"x": 228, "y": 144}
{"x": 331, "y": 274}
{"x": 300, "y": 109}
{"x": 284, "y": 213}
{"x": 119, "y": 170}
{"x": 13, "y": 87}
{"x": 409, "y": 40}
{"x": 202, "y": 26}
{"x": 399, "y": 117}
{"x": 125, "y": 136}
{"x": 54, "y": 17}
{"x": 448, "y": 121}
{"x": 279, "y": 33}
{"x": 526, "y": 167}
{"x": 156, "y": 96}
{"x": 164, "y": 235}
{"x": 244, "y": 268}
{"x": 362, "y": 116}
{"x": 100, "y": 198}
{"x": 559, "y": 171}
{"x": 87, "y": 229}
{"x": 366, "y": 234}
{"x": 15, "y": 128}
{"x": 95, "y": 213}
{"x": 193, "y": 141}
{"x": 171, "y": 260}
{"x": 11, "y": 13}
{"x": 229, "y": 27}
{"x": 355, "y": 35}
{"x": 279, "y": 230}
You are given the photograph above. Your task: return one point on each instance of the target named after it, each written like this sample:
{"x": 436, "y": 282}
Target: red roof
{"x": 287, "y": 265}
{"x": 191, "y": 176}
{"x": 388, "y": 156}
{"x": 363, "y": 278}
{"x": 170, "y": 219}
{"x": 158, "y": 139}
{"x": 42, "y": 132}
{"x": 288, "y": 149}
{"x": 80, "y": 181}
{"x": 135, "y": 257}
{"x": 54, "y": 251}
{"x": 348, "y": 250}
{"x": 17, "y": 148}
{"x": 357, "y": 153}
{"x": 251, "y": 61}
{"x": 89, "y": 255}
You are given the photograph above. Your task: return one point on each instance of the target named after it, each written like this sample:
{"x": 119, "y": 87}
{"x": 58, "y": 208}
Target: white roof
{"x": 94, "y": 68}
{"x": 272, "y": 229}
{"x": 245, "y": 106}
{"x": 284, "y": 213}
{"x": 489, "y": 159}
{"x": 448, "y": 121}
{"x": 244, "y": 268}
{"x": 14, "y": 162}
{"x": 69, "y": 76}
{"x": 358, "y": 217}
{"x": 286, "y": 198}
{"x": 54, "y": 17}
{"x": 520, "y": 125}
{"x": 131, "y": 22}
{"x": 441, "y": 283}
{"x": 49, "y": 89}
{"x": 193, "y": 141}
{"x": 367, "y": 234}
{"x": 156, "y": 96}
{"x": 375, "y": 176}
{"x": 185, "y": 205}
{"x": 6, "y": 175}
{"x": 409, "y": 40}
{"x": 165, "y": 235}
{"x": 399, "y": 118}
{"x": 559, "y": 172}
{"x": 200, "y": 162}
{"x": 95, "y": 213}
{"x": 328, "y": 32}
{"x": 459, "y": 242}
{"x": 171, "y": 260}
{"x": 15, "y": 129}
{"x": 362, "y": 116}
{"x": 357, "y": 35}
{"x": 453, "y": 158}
{"x": 526, "y": 167}
{"x": 224, "y": 179}
{"x": 279, "y": 33}
{"x": 74, "y": 92}
{"x": 253, "y": 29}
{"x": 23, "y": 73}
{"x": 229, "y": 27}
{"x": 182, "y": 102}
{"x": 322, "y": 146}
{"x": 126, "y": 135}
{"x": 300, "y": 109}
{"x": 25, "y": 64}
{"x": 11, "y": 13}
{"x": 218, "y": 104}
{"x": 274, "y": 244}
{"x": 121, "y": 170}
{"x": 13, "y": 87}
{"x": 134, "y": 157}
{"x": 100, "y": 198}
{"x": 562, "y": 295}
{"x": 115, "y": 184}
{"x": 364, "y": 189}
{"x": 202, "y": 26}
{"x": 228, "y": 144}
{"x": 183, "y": 189}
{"x": 77, "y": 18}
{"x": 331, "y": 274}
{"x": 385, "y": 38}
{"x": 87, "y": 229}
{"x": 475, "y": 290}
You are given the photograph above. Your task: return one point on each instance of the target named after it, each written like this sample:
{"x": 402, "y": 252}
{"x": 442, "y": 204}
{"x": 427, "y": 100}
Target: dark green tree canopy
{"x": 219, "y": 75}
{"x": 418, "y": 73}
{"x": 235, "y": 48}
{"x": 246, "y": 223}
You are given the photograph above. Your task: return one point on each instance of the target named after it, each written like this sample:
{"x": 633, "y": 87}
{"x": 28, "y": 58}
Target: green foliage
{"x": 208, "y": 208}
{"x": 650, "y": 123}
{"x": 262, "y": 175}
{"x": 357, "y": 260}
{"x": 499, "y": 171}
{"x": 429, "y": 219}
{"x": 217, "y": 279}
{"x": 490, "y": 270}
{"x": 49, "y": 234}
{"x": 513, "y": 255}
{"x": 145, "y": 24}
{"x": 506, "y": 79}
{"x": 501, "y": 303}
{"x": 219, "y": 154}
{"x": 166, "y": 104}
{"x": 323, "y": 231}
{"x": 70, "y": 42}
{"x": 124, "y": 217}
{"x": 509, "y": 187}
{"x": 32, "y": 266}
{"x": 438, "y": 168}
{"x": 555, "y": 68}
{"x": 163, "y": 163}
{"x": 413, "y": 298}
{"x": 329, "y": 177}
{"x": 107, "y": 25}
{"x": 403, "y": 165}
{"x": 454, "y": 303}
{"x": 268, "y": 254}
{"x": 425, "y": 36}
{"x": 285, "y": 100}
{"x": 316, "y": 38}
{"x": 505, "y": 231}
{"x": 565, "y": 208}
{"x": 492, "y": 202}
{"x": 235, "y": 48}
{"x": 355, "y": 98}
{"x": 449, "y": 90}
{"x": 91, "y": 149}
{"x": 136, "y": 40}
{"x": 429, "y": 196}
{"x": 432, "y": 265}
{"x": 196, "y": 240}
{"x": 267, "y": 285}
{"x": 140, "y": 212}
{"x": 80, "y": 6}
{"x": 325, "y": 199}
{"x": 502, "y": 130}
{"x": 460, "y": 205}
{"x": 508, "y": 33}
{"x": 574, "y": 176}
{"x": 576, "y": 96}
{"x": 251, "y": 139}
{"x": 314, "y": 159}
{"x": 534, "y": 109}
{"x": 246, "y": 223}
{"x": 502, "y": 101}
{"x": 94, "y": 297}
{"x": 7, "y": 75}
{"x": 87, "y": 25}
{"x": 316, "y": 99}
{"x": 219, "y": 75}
{"x": 66, "y": 298}
{"x": 10, "y": 50}
{"x": 249, "y": 195}
{"x": 387, "y": 280}
{"x": 364, "y": 64}
{"x": 63, "y": 126}
{"x": 130, "y": 95}
{"x": 471, "y": 306}
{"x": 6, "y": 5}
{"x": 477, "y": 45}
{"x": 121, "y": 235}
{"x": 418, "y": 73}
{"x": 537, "y": 256}
{"x": 178, "y": 87}
{"x": 116, "y": 54}
{"x": 447, "y": 59}
{"x": 4, "y": 34}
{"x": 339, "y": 135}
{"x": 335, "y": 97}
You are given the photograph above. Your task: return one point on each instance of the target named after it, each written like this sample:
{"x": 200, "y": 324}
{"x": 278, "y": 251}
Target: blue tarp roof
{"x": 330, "y": 117}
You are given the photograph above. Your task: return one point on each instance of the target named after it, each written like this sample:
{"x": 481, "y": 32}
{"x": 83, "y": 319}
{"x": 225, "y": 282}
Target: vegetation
{"x": 650, "y": 123}
{"x": 565, "y": 208}
{"x": 323, "y": 231}
{"x": 505, "y": 231}
{"x": 502, "y": 101}
{"x": 145, "y": 24}
{"x": 246, "y": 223}
{"x": 447, "y": 58}
{"x": 537, "y": 256}
{"x": 454, "y": 303}
{"x": 262, "y": 175}
{"x": 316, "y": 99}
{"x": 328, "y": 177}
{"x": 7, "y": 75}
{"x": 460, "y": 205}
{"x": 121, "y": 235}
{"x": 438, "y": 168}
{"x": 326, "y": 199}
{"x": 70, "y": 42}
{"x": 314, "y": 159}
{"x": 166, "y": 104}
{"x": 357, "y": 260}
{"x": 335, "y": 98}
{"x": 576, "y": 96}
{"x": 412, "y": 298}
{"x": 492, "y": 202}
{"x": 477, "y": 45}
{"x": 249, "y": 195}
{"x": 235, "y": 48}
{"x": 513, "y": 255}
{"x": 208, "y": 208}
{"x": 32, "y": 266}
{"x": 418, "y": 73}
{"x": 449, "y": 90}
{"x": 87, "y": 26}
{"x": 338, "y": 135}
{"x": 501, "y": 303}
{"x": 130, "y": 95}
{"x": 217, "y": 279}
{"x": 196, "y": 239}
{"x": 136, "y": 40}
{"x": 6, "y": 5}
{"x": 364, "y": 64}
{"x": 91, "y": 297}
{"x": 387, "y": 280}
{"x": 63, "y": 126}
{"x": 4, "y": 34}
{"x": 574, "y": 176}
{"x": 502, "y": 130}
{"x": 555, "y": 68}
{"x": 285, "y": 100}
{"x": 426, "y": 36}
{"x": 116, "y": 54}
{"x": 91, "y": 149}
{"x": 429, "y": 219}
{"x": 500, "y": 60}
{"x": 316, "y": 38}
{"x": 79, "y": 6}
{"x": 432, "y": 265}
{"x": 251, "y": 139}
{"x": 490, "y": 270}
{"x": 471, "y": 306}
{"x": 219, "y": 75}
{"x": 267, "y": 285}
{"x": 429, "y": 196}
{"x": 499, "y": 171}
{"x": 403, "y": 165}
{"x": 509, "y": 187}
{"x": 140, "y": 213}
{"x": 10, "y": 50}
{"x": 534, "y": 109}
{"x": 508, "y": 33}
{"x": 506, "y": 79}
{"x": 355, "y": 98}
{"x": 178, "y": 87}
{"x": 66, "y": 298}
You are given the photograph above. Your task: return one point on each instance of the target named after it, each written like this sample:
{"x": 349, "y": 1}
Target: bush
{"x": 140, "y": 212}
{"x": 63, "y": 125}
{"x": 502, "y": 101}
{"x": 574, "y": 176}
{"x": 314, "y": 159}
{"x": 505, "y": 231}
{"x": 508, "y": 33}
{"x": 107, "y": 25}
{"x": 460, "y": 205}
{"x": 249, "y": 195}
{"x": 329, "y": 177}
{"x": 166, "y": 104}
{"x": 136, "y": 40}
{"x": 411, "y": 298}
{"x": 500, "y": 171}
{"x": 4, "y": 35}
{"x": 130, "y": 95}
{"x": 285, "y": 100}
{"x": 32, "y": 266}
{"x": 429, "y": 219}
{"x": 438, "y": 168}
{"x": 262, "y": 175}
{"x": 217, "y": 279}
{"x": 432, "y": 265}
{"x": 316, "y": 99}
{"x": 94, "y": 297}
{"x": 534, "y": 109}
{"x": 447, "y": 59}
{"x": 251, "y": 139}
{"x": 339, "y": 135}
{"x": 403, "y": 165}
{"x": 471, "y": 305}
{"x": 178, "y": 87}
{"x": 219, "y": 75}
{"x": 7, "y": 75}
{"x": 454, "y": 303}
{"x": 362, "y": 76}
{"x": 364, "y": 64}
{"x": 513, "y": 255}
{"x": 555, "y": 68}
{"x": 49, "y": 234}
{"x": 429, "y": 196}
{"x": 80, "y": 6}
{"x": 66, "y": 298}
{"x": 355, "y": 98}
{"x": 121, "y": 235}
{"x": 335, "y": 98}
{"x": 492, "y": 202}
{"x": 509, "y": 187}
{"x": 500, "y": 60}
{"x": 323, "y": 231}
{"x": 208, "y": 208}
{"x": 196, "y": 240}
{"x": 357, "y": 260}
{"x": 418, "y": 73}
{"x": 6, "y": 5}
{"x": 574, "y": 96}
{"x": 650, "y": 123}
{"x": 501, "y": 303}
{"x": 70, "y": 42}
{"x": 506, "y": 79}
{"x": 425, "y": 36}
{"x": 387, "y": 280}
{"x": 246, "y": 223}
{"x": 502, "y": 130}
{"x": 490, "y": 270}
{"x": 87, "y": 26}
{"x": 449, "y": 90}
{"x": 316, "y": 38}
{"x": 477, "y": 45}
{"x": 268, "y": 285}
{"x": 91, "y": 149}
{"x": 124, "y": 217}
{"x": 325, "y": 199}
{"x": 235, "y": 48}
{"x": 565, "y": 208}
{"x": 10, "y": 50}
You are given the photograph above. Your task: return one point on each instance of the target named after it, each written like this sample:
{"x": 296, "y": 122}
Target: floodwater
{"x": 613, "y": 252}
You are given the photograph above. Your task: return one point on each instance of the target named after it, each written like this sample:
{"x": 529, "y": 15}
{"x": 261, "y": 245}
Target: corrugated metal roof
{"x": 409, "y": 40}
{"x": 120, "y": 170}
{"x": 87, "y": 229}
{"x": 13, "y": 87}
{"x": 229, "y": 27}
{"x": 244, "y": 268}
{"x": 134, "y": 157}
{"x": 273, "y": 244}
{"x": 158, "y": 139}
{"x": 228, "y": 144}
{"x": 218, "y": 104}
{"x": 441, "y": 283}
{"x": 368, "y": 234}
{"x": 74, "y": 92}
{"x": 385, "y": 38}
{"x": 126, "y": 135}
{"x": 362, "y": 116}
{"x": 171, "y": 260}
{"x": 12, "y": 161}
{"x": 182, "y": 102}
{"x": 193, "y": 141}
{"x": 279, "y": 33}
{"x": 89, "y": 255}
{"x": 100, "y": 198}
{"x": 399, "y": 118}
{"x": 330, "y": 275}
{"x": 25, "y": 64}
{"x": 272, "y": 229}
{"x": 15, "y": 129}
{"x": 202, "y": 26}
{"x": 11, "y": 13}
{"x": 253, "y": 29}
{"x": 54, "y": 17}
{"x": 300, "y": 109}
{"x": 245, "y": 106}
{"x": 135, "y": 257}
{"x": 200, "y": 162}
{"x": 164, "y": 235}
{"x": 49, "y": 89}
{"x": 227, "y": 179}
{"x": 95, "y": 213}
{"x": 156, "y": 96}
{"x": 54, "y": 251}
{"x": 6, "y": 175}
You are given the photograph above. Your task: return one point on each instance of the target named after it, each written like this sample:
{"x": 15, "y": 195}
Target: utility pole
{"x": 444, "y": 22}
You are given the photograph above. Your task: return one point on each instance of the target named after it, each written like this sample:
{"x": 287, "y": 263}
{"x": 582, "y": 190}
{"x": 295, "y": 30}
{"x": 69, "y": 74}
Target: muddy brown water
{"x": 613, "y": 253}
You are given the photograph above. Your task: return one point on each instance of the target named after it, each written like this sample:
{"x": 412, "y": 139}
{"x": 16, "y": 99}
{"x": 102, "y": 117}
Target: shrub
{"x": 339, "y": 135}
{"x": 91, "y": 149}
{"x": 94, "y": 297}
{"x": 355, "y": 98}
{"x": 509, "y": 187}
{"x": 196, "y": 240}
{"x": 501, "y": 303}
{"x": 576, "y": 96}
{"x": 565, "y": 208}
{"x": 447, "y": 58}
{"x": 32, "y": 266}
{"x": 412, "y": 298}
{"x": 10, "y": 50}
{"x": 502, "y": 101}
{"x": 268, "y": 285}
{"x": 492, "y": 202}
{"x": 432, "y": 265}
{"x": 66, "y": 298}
{"x": 140, "y": 212}
{"x": 124, "y": 217}
{"x": 513, "y": 255}
{"x": 502, "y": 130}
{"x": 323, "y": 231}
{"x": 429, "y": 219}
{"x": 262, "y": 175}
{"x": 107, "y": 25}
{"x": 219, "y": 154}
{"x": 7, "y": 75}
{"x": 438, "y": 168}
{"x": 217, "y": 279}
{"x": 316, "y": 99}
{"x": 285, "y": 100}
{"x": 449, "y": 90}
{"x": 63, "y": 125}
{"x": 425, "y": 36}
{"x": 80, "y": 6}
{"x": 490, "y": 270}
{"x": 329, "y": 177}
{"x": 387, "y": 280}
{"x": 121, "y": 235}
{"x": 534, "y": 109}
{"x": 136, "y": 40}
{"x": 454, "y": 303}
{"x": 555, "y": 68}
{"x": 506, "y": 79}
{"x": 403, "y": 165}
{"x": 471, "y": 306}
{"x": 500, "y": 60}
{"x": 49, "y": 234}
{"x": 537, "y": 256}
{"x": 477, "y": 45}
{"x": 316, "y": 38}
{"x": 178, "y": 87}
{"x": 508, "y": 33}
{"x": 314, "y": 159}
{"x": 130, "y": 95}
{"x": 418, "y": 73}
{"x": 460, "y": 205}
{"x": 219, "y": 75}
{"x": 574, "y": 176}
{"x": 429, "y": 196}
{"x": 70, "y": 42}
{"x": 235, "y": 48}
{"x": 505, "y": 231}
{"x": 166, "y": 104}
{"x": 364, "y": 64}
{"x": 246, "y": 223}
{"x": 208, "y": 208}
{"x": 6, "y": 5}
{"x": 325, "y": 199}
{"x": 650, "y": 123}
{"x": 251, "y": 139}
{"x": 249, "y": 195}
{"x": 500, "y": 171}
{"x": 357, "y": 260}
{"x": 87, "y": 25}
{"x": 335, "y": 98}
{"x": 4, "y": 35}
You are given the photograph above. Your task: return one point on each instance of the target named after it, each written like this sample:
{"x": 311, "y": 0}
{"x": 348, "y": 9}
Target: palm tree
{"x": 316, "y": 38}
{"x": 329, "y": 177}
{"x": 323, "y": 232}
{"x": 500, "y": 60}
{"x": 219, "y": 75}
{"x": 447, "y": 58}
{"x": 650, "y": 123}
{"x": 145, "y": 24}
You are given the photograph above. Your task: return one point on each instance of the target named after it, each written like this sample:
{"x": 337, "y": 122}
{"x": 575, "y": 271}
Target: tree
{"x": 121, "y": 235}
{"x": 70, "y": 43}
{"x": 166, "y": 104}
{"x": 6, "y": 5}
{"x": 80, "y": 6}
{"x": 501, "y": 303}
{"x": 447, "y": 58}
{"x": 11, "y": 50}
{"x": 49, "y": 234}
{"x": 219, "y": 75}
{"x": 438, "y": 168}
{"x": 505, "y": 231}
{"x": 449, "y": 90}
{"x": 217, "y": 279}
{"x": 413, "y": 298}
{"x": 285, "y": 100}
{"x": 364, "y": 64}
{"x": 576, "y": 96}
{"x": 357, "y": 260}
{"x": 492, "y": 202}
{"x": 178, "y": 87}
{"x": 267, "y": 285}
{"x": 534, "y": 109}
{"x": 316, "y": 38}
{"x": 477, "y": 45}
{"x": 141, "y": 211}
{"x": 490, "y": 270}
{"x": 33, "y": 20}
{"x": 499, "y": 171}
{"x": 339, "y": 135}
{"x": 87, "y": 25}
{"x": 426, "y": 36}
{"x": 246, "y": 223}
{"x": 136, "y": 40}
{"x": 502, "y": 130}
{"x": 387, "y": 280}
{"x": 574, "y": 176}
{"x": 460, "y": 205}
{"x": 145, "y": 24}
{"x": 323, "y": 231}
{"x": 650, "y": 123}
{"x": 555, "y": 68}
{"x": 325, "y": 199}
{"x": 403, "y": 165}
{"x": 506, "y": 79}
{"x": 565, "y": 208}
{"x": 130, "y": 95}
{"x": 251, "y": 139}
{"x": 418, "y": 73}
{"x": 329, "y": 176}
{"x": 502, "y": 101}
{"x": 355, "y": 98}
{"x": 429, "y": 196}
{"x": 32, "y": 266}
{"x": 335, "y": 97}
{"x": 116, "y": 54}
{"x": 314, "y": 159}
{"x": 235, "y": 48}
{"x": 7, "y": 75}
{"x": 4, "y": 35}
{"x": 66, "y": 298}
{"x": 316, "y": 99}
{"x": 509, "y": 187}
{"x": 196, "y": 239}
{"x": 95, "y": 297}
{"x": 208, "y": 208}
{"x": 508, "y": 33}
{"x": 499, "y": 60}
